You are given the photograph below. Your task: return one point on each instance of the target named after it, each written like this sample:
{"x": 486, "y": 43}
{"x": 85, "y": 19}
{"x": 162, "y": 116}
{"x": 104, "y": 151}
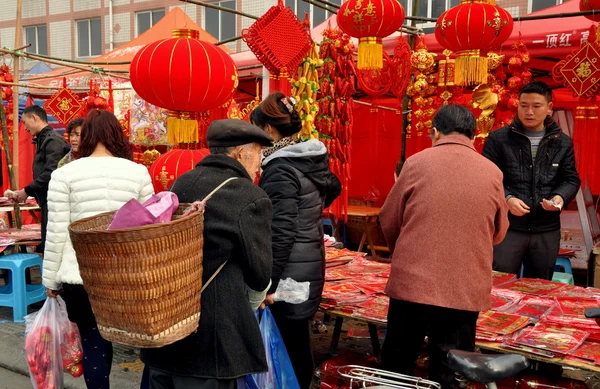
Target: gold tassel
{"x": 470, "y": 68}
{"x": 370, "y": 53}
{"x": 182, "y": 127}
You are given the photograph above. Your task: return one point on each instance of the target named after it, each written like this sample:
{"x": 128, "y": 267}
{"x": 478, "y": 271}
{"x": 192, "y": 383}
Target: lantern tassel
{"x": 470, "y": 68}
{"x": 182, "y": 127}
{"x": 370, "y": 53}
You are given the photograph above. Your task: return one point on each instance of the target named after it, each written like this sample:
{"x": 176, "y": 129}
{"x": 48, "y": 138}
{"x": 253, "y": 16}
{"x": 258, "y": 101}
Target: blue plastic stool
{"x": 17, "y": 294}
{"x": 329, "y": 223}
{"x": 563, "y": 263}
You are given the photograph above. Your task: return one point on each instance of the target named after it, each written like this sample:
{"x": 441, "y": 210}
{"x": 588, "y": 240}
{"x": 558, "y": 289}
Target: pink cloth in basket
{"x": 157, "y": 209}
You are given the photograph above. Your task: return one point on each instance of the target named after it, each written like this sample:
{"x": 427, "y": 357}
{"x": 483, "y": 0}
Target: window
{"x": 537, "y": 5}
{"x": 317, "y": 15}
{"x": 89, "y": 38}
{"x": 221, "y": 24}
{"x": 429, "y": 9}
{"x": 146, "y": 19}
{"x": 38, "y": 39}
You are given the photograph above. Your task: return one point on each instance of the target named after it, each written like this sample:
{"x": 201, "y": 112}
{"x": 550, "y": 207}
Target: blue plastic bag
{"x": 281, "y": 373}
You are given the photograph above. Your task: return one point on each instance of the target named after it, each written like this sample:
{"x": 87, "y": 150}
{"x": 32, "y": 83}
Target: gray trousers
{"x": 537, "y": 253}
{"x": 163, "y": 380}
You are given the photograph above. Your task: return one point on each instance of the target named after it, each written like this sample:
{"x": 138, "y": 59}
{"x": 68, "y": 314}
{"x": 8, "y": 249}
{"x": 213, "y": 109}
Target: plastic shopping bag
{"x": 292, "y": 291}
{"x": 157, "y": 209}
{"x": 281, "y": 373}
{"x": 48, "y": 333}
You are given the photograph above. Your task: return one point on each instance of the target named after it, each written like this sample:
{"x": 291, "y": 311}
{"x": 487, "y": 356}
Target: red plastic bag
{"x": 48, "y": 332}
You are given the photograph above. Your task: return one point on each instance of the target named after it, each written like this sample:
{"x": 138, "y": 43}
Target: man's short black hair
{"x": 455, "y": 118}
{"x": 539, "y": 87}
{"x": 37, "y": 111}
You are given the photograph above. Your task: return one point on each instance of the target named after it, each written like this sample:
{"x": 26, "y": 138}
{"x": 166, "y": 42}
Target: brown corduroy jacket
{"x": 441, "y": 220}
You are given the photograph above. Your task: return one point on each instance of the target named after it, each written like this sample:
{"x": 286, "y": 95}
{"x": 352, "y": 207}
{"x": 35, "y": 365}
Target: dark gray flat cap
{"x": 234, "y": 132}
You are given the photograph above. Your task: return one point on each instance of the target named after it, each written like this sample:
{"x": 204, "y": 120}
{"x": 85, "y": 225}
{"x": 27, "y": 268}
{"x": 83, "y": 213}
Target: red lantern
{"x": 184, "y": 75}
{"x": 370, "y": 21}
{"x": 165, "y": 170}
{"x": 588, "y": 5}
{"x": 470, "y": 29}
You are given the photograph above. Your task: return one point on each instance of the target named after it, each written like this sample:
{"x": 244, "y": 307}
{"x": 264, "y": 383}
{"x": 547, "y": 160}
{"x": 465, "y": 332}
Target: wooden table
{"x": 368, "y": 220}
{"x": 31, "y": 209}
{"x": 490, "y": 346}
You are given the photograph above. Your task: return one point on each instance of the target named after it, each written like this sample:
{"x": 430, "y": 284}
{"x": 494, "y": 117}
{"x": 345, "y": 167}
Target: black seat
{"x": 484, "y": 368}
{"x": 592, "y": 313}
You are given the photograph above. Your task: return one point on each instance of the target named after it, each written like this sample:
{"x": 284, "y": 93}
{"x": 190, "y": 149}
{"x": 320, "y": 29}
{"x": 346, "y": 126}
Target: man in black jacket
{"x": 50, "y": 148}
{"x": 237, "y": 233}
{"x": 540, "y": 179}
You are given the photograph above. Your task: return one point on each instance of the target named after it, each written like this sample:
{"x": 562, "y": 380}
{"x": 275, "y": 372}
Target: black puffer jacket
{"x": 553, "y": 173}
{"x": 298, "y": 181}
{"x": 49, "y": 150}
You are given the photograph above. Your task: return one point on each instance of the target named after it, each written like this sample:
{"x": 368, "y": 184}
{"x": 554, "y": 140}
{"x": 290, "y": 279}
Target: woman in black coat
{"x": 297, "y": 178}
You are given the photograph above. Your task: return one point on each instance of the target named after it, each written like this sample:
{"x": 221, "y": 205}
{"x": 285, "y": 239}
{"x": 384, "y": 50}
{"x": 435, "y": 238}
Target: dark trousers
{"x": 164, "y": 380}
{"x": 296, "y": 336}
{"x": 44, "y": 225}
{"x": 97, "y": 352}
{"x": 446, "y": 329}
{"x": 537, "y": 253}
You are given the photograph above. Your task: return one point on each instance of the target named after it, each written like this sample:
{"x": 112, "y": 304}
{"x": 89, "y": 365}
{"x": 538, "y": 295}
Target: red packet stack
{"x": 533, "y": 307}
{"x": 340, "y": 294}
{"x": 588, "y": 352}
{"x": 337, "y": 274}
{"x": 375, "y": 308}
{"x": 533, "y": 286}
{"x": 496, "y": 326}
{"x": 370, "y": 285}
{"x": 499, "y": 278}
{"x": 547, "y": 339}
{"x": 503, "y": 299}
{"x": 336, "y": 257}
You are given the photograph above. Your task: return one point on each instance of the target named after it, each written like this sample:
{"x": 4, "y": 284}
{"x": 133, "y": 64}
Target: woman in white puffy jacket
{"x": 101, "y": 180}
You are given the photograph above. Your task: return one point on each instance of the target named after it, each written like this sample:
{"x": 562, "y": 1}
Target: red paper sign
{"x": 64, "y": 105}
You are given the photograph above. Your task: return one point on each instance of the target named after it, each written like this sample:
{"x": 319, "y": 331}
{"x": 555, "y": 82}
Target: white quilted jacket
{"x": 80, "y": 189}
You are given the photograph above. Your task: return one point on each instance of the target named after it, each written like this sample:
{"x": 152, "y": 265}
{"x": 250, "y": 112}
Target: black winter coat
{"x": 298, "y": 181}
{"x": 237, "y": 227}
{"x": 50, "y": 148}
{"x": 553, "y": 173}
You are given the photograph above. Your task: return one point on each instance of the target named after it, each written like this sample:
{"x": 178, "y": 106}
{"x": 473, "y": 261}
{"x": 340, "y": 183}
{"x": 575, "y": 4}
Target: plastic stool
{"x": 18, "y": 294}
{"x": 329, "y": 223}
{"x": 563, "y": 263}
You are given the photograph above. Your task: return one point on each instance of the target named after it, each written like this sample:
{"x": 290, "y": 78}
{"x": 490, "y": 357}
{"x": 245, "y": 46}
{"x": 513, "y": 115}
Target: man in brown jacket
{"x": 441, "y": 220}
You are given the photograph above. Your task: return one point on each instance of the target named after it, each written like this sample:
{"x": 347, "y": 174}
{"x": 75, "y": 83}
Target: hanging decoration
{"x": 167, "y": 167}
{"x": 64, "y": 105}
{"x": 304, "y": 88}
{"x": 204, "y": 78}
{"x": 401, "y": 67}
{"x": 280, "y": 42}
{"x": 334, "y": 120}
{"x": 469, "y": 29}
{"x": 580, "y": 73}
{"x": 589, "y": 5}
{"x": 370, "y": 21}
{"x": 95, "y": 100}
{"x": 245, "y": 112}
{"x": 6, "y": 99}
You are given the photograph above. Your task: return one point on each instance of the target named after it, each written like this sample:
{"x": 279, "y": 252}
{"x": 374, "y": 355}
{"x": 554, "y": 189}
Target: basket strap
{"x": 217, "y": 188}
{"x": 213, "y": 276}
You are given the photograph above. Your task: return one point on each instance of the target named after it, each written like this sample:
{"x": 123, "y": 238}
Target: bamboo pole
{"x": 9, "y": 162}
{"x": 36, "y": 86}
{"x": 16, "y": 65}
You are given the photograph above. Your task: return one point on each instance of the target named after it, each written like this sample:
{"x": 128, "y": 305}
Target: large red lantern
{"x": 370, "y": 21}
{"x": 471, "y": 29}
{"x": 165, "y": 170}
{"x": 589, "y": 5}
{"x": 186, "y": 76}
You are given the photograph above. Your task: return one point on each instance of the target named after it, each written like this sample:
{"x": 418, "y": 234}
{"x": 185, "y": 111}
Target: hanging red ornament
{"x": 64, "y": 105}
{"x": 370, "y": 21}
{"x": 184, "y": 75}
{"x": 469, "y": 29}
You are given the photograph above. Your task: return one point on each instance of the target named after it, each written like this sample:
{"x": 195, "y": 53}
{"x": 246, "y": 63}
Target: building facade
{"x": 84, "y": 29}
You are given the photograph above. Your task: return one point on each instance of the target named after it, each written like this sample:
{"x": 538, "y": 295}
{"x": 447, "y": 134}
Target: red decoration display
{"x": 184, "y": 75}
{"x": 64, "y": 105}
{"x": 469, "y": 29}
{"x": 370, "y": 21}
{"x": 280, "y": 42}
{"x": 165, "y": 170}
{"x": 6, "y": 95}
{"x": 589, "y": 5}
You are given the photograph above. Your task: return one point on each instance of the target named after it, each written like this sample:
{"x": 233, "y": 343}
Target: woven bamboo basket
{"x": 144, "y": 283}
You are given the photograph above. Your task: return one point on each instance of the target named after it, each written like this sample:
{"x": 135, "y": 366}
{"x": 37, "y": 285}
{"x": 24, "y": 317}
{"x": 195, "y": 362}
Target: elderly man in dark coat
{"x": 237, "y": 233}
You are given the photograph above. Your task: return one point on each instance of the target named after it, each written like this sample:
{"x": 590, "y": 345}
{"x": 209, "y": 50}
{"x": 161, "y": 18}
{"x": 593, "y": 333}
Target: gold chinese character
{"x": 64, "y": 105}
{"x": 584, "y": 70}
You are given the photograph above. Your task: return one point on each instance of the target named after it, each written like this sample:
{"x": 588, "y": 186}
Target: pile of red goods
{"x": 7, "y": 96}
